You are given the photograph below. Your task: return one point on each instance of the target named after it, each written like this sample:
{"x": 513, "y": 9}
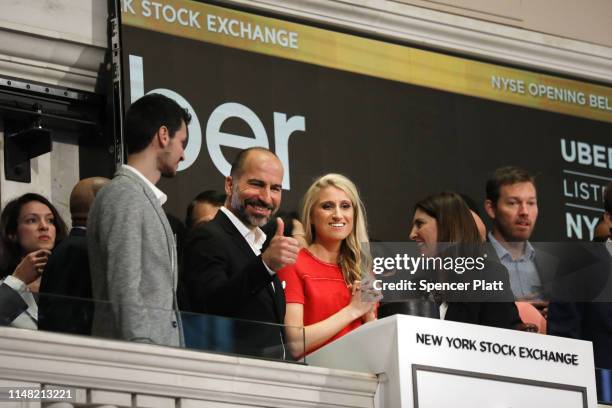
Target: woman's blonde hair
{"x": 355, "y": 259}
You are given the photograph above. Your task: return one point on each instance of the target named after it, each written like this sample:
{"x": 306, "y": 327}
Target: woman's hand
{"x": 31, "y": 266}
{"x": 303, "y": 341}
{"x": 358, "y": 306}
{"x": 370, "y": 316}
{"x": 371, "y": 296}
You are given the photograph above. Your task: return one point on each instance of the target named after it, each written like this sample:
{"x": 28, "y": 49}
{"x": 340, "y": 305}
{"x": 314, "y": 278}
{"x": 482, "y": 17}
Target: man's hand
{"x": 31, "y": 266}
{"x": 282, "y": 250}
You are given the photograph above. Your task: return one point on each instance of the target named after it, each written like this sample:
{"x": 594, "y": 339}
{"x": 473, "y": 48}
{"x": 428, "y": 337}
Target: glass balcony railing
{"x": 144, "y": 324}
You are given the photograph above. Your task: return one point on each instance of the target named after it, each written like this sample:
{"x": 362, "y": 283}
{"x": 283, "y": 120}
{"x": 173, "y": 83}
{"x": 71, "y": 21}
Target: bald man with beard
{"x": 226, "y": 271}
{"x": 66, "y": 305}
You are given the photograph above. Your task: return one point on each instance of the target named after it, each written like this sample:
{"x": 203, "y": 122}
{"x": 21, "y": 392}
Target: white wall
{"x": 56, "y": 42}
{"x": 583, "y": 20}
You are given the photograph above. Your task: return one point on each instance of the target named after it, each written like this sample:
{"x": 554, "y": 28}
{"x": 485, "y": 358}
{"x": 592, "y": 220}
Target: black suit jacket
{"x": 585, "y": 321}
{"x": 583, "y": 271}
{"x": 495, "y": 314}
{"x": 497, "y": 309}
{"x": 68, "y": 308}
{"x": 11, "y": 305}
{"x": 223, "y": 276}
{"x": 547, "y": 266}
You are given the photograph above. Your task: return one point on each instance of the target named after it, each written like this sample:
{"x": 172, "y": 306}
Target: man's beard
{"x": 506, "y": 232}
{"x": 167, "y": 170}
{"x": 250, "y": 220}
{"x": 168, "y": 173}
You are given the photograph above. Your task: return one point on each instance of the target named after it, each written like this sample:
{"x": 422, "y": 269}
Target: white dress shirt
{"x": 254, "y": 237}
{"x": 158, "y": 193}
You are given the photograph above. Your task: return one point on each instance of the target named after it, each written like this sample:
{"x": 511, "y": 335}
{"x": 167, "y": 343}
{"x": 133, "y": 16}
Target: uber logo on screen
{"x": 284, "y": 127}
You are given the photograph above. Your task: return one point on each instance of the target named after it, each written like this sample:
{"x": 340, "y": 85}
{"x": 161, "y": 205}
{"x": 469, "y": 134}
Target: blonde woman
{"x": 323, "y": 287}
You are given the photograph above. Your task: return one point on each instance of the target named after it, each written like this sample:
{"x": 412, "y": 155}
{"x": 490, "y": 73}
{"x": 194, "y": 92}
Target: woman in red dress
{"x": 323, "y": 287}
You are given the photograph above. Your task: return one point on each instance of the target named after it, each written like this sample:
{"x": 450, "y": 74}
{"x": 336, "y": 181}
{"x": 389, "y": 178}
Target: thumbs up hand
{"x": 282, "y": 250}
{"x": 280, "y": 227}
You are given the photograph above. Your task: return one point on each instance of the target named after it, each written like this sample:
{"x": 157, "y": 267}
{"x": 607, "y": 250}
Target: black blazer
{"x": 495, "y": 314}
{"x": 223, "y": 276}
{"x": 590, "y": 318}
{"x": 585, "y": 321}
{"x": 496, "y": 309}
{"x": 66, "y": 281}
{"x": 11, "y": 305}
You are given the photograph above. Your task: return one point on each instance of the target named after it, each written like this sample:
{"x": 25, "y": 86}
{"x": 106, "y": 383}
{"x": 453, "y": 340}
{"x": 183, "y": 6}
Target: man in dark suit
{"x": 65, "y": 304}
{"x": 225, "y": 272}
{"x": 590, "y": 321}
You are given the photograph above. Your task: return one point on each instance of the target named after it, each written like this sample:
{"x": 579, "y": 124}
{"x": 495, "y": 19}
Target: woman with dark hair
{"x": 30, "y": 227}
{"x": 443, "y": 226}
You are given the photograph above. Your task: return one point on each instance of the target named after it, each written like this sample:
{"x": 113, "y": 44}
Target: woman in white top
{"x": 30, "y": 227}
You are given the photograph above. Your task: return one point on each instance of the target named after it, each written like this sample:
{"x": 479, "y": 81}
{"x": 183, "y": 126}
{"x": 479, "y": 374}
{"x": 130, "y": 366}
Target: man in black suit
{"x": 225, "y": 272}
{"x": 65, "y": 303}
{"x": 590, "y": 321}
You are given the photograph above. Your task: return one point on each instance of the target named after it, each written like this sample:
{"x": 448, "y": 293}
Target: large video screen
{"x": 401, "y": 122}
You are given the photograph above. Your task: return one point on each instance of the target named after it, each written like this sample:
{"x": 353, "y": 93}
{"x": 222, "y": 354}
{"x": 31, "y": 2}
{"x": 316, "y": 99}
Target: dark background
{"x": 397, "y": 142}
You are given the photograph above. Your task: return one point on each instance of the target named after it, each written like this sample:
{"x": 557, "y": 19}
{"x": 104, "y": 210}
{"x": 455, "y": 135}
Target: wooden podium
{"x": 430, "y": 363}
